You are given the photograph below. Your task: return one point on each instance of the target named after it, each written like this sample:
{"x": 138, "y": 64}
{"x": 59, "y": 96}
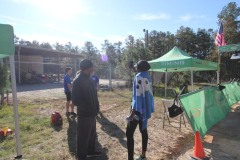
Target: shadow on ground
{"x": 57, "y": 128}
{"x": 112, "y": 129}
{"x": 71, "y": 132}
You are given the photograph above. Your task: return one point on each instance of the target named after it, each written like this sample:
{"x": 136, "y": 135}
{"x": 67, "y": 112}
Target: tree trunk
{"x": 2, "y": 99}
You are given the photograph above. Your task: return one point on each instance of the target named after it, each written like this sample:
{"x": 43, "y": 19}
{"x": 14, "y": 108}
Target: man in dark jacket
{"x": 84, "y": 96}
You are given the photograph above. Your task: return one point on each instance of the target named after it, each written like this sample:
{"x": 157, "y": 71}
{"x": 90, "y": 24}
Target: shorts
{"x": 69, "y": 96}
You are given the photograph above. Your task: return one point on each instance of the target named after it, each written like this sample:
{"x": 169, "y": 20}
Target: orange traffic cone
{"x": 198, "y": 147}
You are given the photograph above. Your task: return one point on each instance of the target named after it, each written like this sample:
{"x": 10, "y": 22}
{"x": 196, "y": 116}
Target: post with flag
{"x": 104, "y": 58}
{"x": 219, "y": 41}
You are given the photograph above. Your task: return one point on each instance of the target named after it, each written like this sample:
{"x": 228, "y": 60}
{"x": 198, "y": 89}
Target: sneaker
{"x": 95, "y": 154}
{"x": 73, "y": 114}
{"x": 141, "y": 158}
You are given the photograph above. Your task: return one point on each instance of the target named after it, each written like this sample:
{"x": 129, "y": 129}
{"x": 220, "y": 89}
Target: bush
{"x": 3, "y": 80}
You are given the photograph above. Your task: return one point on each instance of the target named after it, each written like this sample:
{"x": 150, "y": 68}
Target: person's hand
{"x": 132, "y": 114}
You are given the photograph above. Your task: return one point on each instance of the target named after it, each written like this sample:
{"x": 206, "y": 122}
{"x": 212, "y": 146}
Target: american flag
{"x": 219, "y": 40}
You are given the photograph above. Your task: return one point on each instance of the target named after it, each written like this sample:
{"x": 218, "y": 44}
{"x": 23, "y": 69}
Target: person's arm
{"x": 132, "y": 112}
{"x": 78, "y": 93}
{"x": 97, "y": 86}
{"x": 69, "y": 85}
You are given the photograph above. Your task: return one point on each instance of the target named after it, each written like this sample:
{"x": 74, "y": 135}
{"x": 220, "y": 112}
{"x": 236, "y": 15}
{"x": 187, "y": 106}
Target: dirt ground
{"x": 164, "y": 144}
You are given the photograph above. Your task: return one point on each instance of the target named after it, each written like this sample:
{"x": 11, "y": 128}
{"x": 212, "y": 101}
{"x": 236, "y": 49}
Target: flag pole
{"x": 219, "y": 64}
{"x": 219, "y": 41}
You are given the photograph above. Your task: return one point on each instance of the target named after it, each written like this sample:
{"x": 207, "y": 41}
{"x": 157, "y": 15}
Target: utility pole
{"x": 110, "y": 76}
{"x": 146, "y": 37}
{"x": 146, "y": 47}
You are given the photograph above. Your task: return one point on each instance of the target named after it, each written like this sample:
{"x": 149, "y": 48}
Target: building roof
{"x": 28, "y": 50}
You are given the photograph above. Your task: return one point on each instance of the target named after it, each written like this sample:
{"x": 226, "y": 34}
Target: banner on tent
{"x": 208, "y": 106}
{"x": 173, "y": 63}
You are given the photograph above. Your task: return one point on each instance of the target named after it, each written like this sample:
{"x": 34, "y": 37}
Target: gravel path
{"x": 39, "y": 92}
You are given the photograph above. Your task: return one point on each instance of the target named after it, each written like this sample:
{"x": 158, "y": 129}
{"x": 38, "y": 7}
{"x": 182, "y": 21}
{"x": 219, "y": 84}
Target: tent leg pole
{"x": 165, "y": 84}
{"x": 192, "y": 79}
{"x": 15, "y": 106}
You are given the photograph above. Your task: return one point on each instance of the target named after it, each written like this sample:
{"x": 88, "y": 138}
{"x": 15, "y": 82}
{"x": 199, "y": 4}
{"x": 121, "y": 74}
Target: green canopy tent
{"x": 7, "y": 49}
{"x": 177, "y": 60}
{"x": 229, "y": 48}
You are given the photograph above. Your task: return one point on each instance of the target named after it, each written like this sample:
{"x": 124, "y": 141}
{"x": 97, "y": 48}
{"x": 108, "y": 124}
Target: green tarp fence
{"x": 232, "y": 93}
{"x": 206, "y": 107}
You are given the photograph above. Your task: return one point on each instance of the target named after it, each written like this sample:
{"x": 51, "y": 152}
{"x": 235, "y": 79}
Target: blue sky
{"x": 78, "y": 21}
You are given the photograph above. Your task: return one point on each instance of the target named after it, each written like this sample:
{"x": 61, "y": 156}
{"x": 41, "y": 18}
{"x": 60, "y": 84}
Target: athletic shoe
{"x": 141, "y": 158}
{"x": 73, "y": 114}
{"x": 95, "y": 154}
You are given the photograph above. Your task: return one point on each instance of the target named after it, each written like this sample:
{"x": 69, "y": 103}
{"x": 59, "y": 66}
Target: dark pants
{"x": 86, "y": 136}
{"x": 130, "y": 141}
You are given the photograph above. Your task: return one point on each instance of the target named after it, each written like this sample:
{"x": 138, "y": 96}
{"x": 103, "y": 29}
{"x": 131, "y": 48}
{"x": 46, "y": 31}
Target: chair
{"x": 168, "y": 103}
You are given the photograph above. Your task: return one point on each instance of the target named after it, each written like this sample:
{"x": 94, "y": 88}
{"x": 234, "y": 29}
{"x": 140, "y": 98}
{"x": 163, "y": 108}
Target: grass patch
{"x": 32, "y": 127}
{"x": 116, "y": 96}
